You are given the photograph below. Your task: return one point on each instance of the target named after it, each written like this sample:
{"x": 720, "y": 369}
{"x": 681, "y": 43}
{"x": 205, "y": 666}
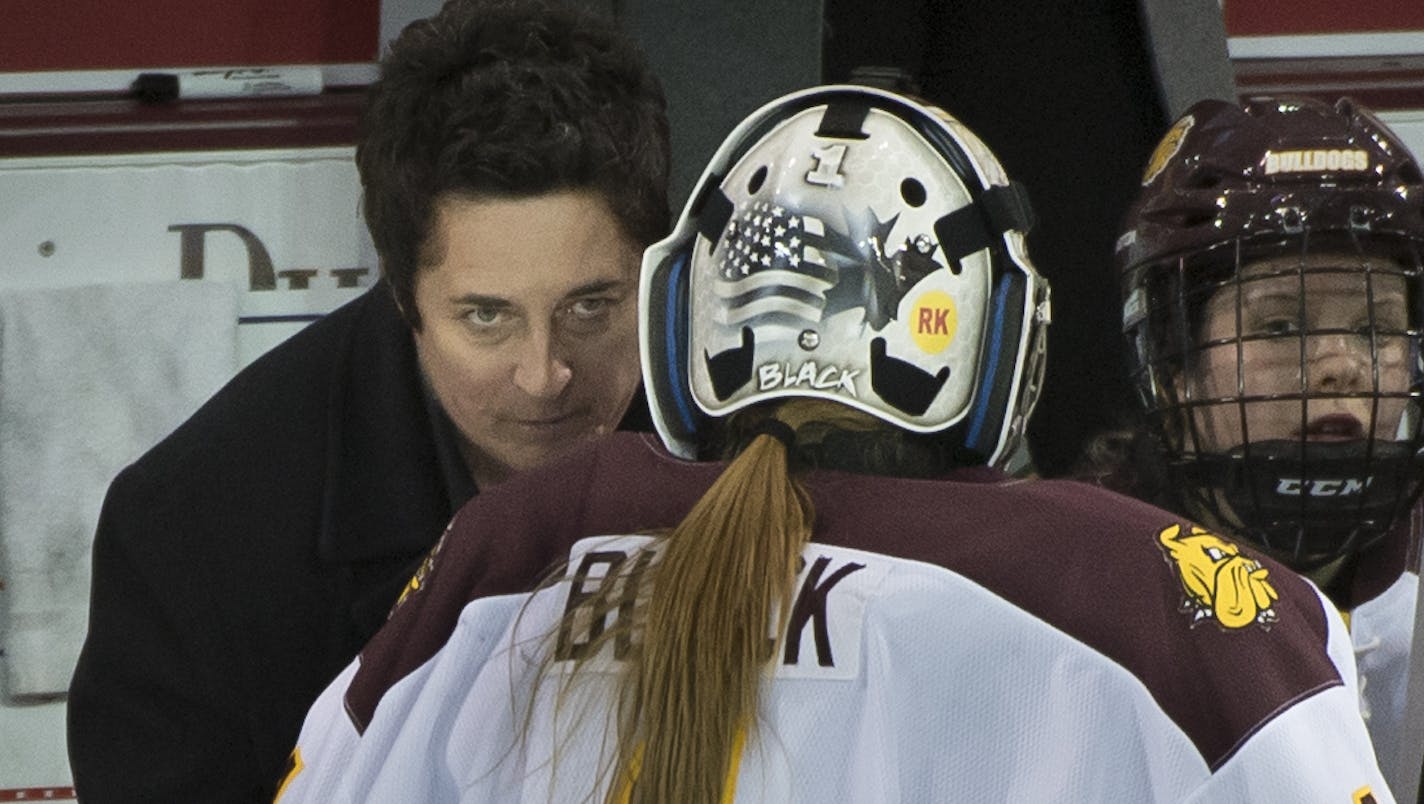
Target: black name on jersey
{"x": 809, "y": 609}
{"x": 584, "y": 594}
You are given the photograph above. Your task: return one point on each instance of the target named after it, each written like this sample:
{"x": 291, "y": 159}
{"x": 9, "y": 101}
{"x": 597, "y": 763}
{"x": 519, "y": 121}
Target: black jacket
{"x": 243, "y": 561}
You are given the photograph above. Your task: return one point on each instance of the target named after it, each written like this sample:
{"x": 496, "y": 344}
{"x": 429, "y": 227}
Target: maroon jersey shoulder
{"x": 507, "y": 539}
{"x": 1223, "y": 638}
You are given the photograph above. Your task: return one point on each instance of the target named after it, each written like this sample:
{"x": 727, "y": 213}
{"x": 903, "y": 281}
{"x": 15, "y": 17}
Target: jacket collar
{"x": 385, "y": 494}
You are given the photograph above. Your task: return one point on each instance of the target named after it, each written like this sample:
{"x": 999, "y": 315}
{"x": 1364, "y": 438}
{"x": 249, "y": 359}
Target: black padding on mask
{"x": 969, "y": 229}
{"x": 999, "y": 364}
{"x": 1008, "y": 208}
{"x": 667, "y": 385}
{"x": 902, "y": 384}
{"x": 731, "y": 369}
{"x": 843, "y": 121}
{"x": 961, "y": 233}
{"x": 714, "y": 181}
{"x": 716, "y": 211}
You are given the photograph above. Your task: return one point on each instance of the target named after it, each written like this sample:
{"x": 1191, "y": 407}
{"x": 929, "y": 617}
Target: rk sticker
{"x": 933, "y": 321}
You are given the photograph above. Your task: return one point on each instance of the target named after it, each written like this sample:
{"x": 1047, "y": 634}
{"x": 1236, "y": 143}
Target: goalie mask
{"x": 850, "y": 244}
{"x": 1271, "y": 274}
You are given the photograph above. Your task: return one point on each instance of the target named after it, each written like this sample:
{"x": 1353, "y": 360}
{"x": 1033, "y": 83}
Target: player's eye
{"x": 587, "y": 309}
{"x": 485, "y": 317}
{"x": 1279, "y": 325}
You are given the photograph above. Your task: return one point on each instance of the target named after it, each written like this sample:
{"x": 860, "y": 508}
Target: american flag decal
{"x": 773, "y": 268}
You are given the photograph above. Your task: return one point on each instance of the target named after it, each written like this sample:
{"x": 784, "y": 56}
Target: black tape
{"x": 843, "y": 121}
{"x": 1008, "y": 208}
{"x": 717, "y": 209}
{"x": 731, "y": 369}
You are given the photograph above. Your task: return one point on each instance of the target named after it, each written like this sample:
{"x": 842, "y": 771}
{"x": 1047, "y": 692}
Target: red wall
{"x": 121, "y": 34}
{"x": 1270, "y": 17}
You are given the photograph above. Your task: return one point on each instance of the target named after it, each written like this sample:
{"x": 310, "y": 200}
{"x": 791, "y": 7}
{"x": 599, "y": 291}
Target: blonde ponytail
{"x": 690, "y": 686}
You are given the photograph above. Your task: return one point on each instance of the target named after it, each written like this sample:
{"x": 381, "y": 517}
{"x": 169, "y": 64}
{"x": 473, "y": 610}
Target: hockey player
{"x": 856, "y": 605}
{"x": 1271, "y": 268}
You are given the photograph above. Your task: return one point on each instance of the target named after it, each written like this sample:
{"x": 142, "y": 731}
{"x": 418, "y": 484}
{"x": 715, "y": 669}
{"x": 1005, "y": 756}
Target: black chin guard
{"x": 1309, "y": 502}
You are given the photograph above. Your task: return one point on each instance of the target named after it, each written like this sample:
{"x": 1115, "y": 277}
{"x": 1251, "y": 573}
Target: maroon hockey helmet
{"x": 1271, "y": 278}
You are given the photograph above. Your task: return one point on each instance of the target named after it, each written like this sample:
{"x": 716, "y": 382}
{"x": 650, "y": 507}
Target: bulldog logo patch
{"x": 1167, "y": 149}
{"x": 1220, "y": 583}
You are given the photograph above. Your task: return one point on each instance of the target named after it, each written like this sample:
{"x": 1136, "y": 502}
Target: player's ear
{"x": 413, "y": 323}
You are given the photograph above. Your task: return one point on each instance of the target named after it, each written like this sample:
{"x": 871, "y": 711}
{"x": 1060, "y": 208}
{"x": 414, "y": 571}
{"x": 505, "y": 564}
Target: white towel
{"x": 34, "y": 760}
{"x": 90, "y": 378}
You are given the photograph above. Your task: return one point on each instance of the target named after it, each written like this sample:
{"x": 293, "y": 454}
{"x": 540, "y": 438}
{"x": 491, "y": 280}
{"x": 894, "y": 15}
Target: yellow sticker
{"x": 933, "y": 321}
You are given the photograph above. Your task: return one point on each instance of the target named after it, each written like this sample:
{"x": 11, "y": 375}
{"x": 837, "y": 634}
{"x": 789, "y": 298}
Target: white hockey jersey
{"x": 1382, "y": 630}
{"x": 970, "y": 639}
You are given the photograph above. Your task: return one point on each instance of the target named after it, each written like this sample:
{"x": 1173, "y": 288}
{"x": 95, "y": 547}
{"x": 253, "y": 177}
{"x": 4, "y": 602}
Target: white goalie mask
{"x": 850, "y": 244}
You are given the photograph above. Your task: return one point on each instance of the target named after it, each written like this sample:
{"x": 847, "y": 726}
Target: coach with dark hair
{"x": 514, "y": 157}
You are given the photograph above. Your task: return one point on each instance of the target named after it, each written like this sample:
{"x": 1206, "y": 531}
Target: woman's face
{"x": 1307, "y": 353}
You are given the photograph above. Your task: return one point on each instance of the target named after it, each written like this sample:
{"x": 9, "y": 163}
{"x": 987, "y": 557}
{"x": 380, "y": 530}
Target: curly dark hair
{"x": 508, "y": 99}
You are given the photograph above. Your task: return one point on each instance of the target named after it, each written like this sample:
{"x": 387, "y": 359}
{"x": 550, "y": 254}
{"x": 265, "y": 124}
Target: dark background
{"x": 1063, "y": 93}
